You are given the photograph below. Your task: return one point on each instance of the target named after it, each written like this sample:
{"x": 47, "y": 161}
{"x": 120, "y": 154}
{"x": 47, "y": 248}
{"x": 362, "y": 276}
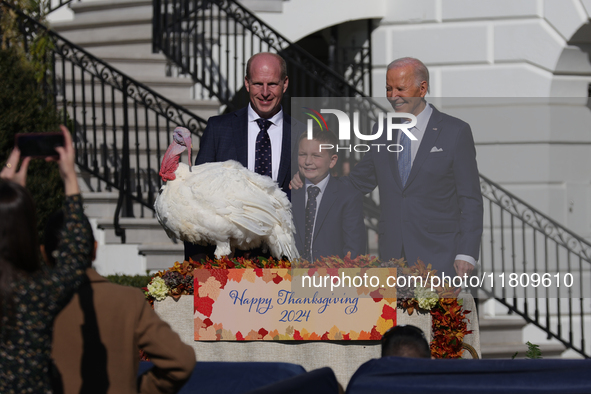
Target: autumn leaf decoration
{"x": 449, "y": 322}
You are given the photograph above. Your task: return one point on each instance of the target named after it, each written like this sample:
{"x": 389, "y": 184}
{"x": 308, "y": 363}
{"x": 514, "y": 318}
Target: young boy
{"x": 328, "y": 215}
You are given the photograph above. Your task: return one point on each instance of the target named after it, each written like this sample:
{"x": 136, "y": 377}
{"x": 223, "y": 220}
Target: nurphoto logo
{"x": 394, "y": 121}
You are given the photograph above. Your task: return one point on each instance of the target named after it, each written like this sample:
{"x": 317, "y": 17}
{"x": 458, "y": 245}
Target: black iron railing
{"x": 121, "y": 127}
{"x": 352, "y": 59}
{"x": 53, "y": 5}
{"x": 211, "y": 40}
{"x": 519, "y": 240}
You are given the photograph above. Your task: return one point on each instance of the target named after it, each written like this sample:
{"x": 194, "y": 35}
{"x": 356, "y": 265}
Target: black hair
{"x": 405, "y": 341}
{"x": 19, "y": 244}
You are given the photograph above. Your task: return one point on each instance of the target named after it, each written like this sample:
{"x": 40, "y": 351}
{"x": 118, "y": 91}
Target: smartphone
{"x": 39, "y": 144}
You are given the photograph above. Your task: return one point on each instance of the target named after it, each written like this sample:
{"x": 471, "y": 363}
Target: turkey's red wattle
{"x": 170, "y": 162}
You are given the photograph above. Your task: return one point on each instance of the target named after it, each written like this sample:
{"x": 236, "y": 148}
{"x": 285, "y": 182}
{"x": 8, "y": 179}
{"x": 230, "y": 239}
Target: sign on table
{"x": 298, "y": 304}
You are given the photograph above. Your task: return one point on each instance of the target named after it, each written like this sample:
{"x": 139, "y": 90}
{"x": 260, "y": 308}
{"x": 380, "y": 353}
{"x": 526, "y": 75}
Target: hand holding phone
{"x": 39, "y": 144}
{"x": 9, "y": 171}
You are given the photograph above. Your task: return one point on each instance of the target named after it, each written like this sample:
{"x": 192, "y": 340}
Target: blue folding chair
{"x": 410, "y": 375}
{"x": 318, "y": 381}
{"x": 233, "y": 377}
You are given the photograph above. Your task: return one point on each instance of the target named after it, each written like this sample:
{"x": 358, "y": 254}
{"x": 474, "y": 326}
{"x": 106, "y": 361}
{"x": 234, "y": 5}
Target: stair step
{"x": 138, "y": 230}
{"x": 263, "y": 5}
{"x": 88, "y": 15}
{"x": 169, "y": 87}
{"x": 161, "y": 256}
{"x": 507, "y": 351}
{"x": 100, "y": 204}
{"x": 205, "y": 108}
{"x": 94, "y": 6}
{"x": 135, "y": 50}
{"x": 501, "y": 331}
{"x": 124, "y": 34}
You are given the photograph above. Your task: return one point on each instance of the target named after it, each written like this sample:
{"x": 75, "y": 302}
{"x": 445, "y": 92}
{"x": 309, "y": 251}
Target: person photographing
{"x": 31, "y": 295}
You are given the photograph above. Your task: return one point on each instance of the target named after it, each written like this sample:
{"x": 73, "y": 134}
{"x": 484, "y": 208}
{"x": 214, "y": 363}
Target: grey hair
{"x": 420, "y": 70}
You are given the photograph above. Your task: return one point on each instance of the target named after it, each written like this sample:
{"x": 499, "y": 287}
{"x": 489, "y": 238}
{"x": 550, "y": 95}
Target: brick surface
{"x": 529, "y": 41}
{"x": 566, "y": 16}
{"x": 468, "y": 9}
{"x": 417, "y": 11}
{"x": 438, "y": 44}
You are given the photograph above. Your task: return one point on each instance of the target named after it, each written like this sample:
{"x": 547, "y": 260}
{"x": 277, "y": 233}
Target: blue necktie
{"x": 313, "y": 192}
{"x": 262, "y": 156}
{"x": 404, "y": 158}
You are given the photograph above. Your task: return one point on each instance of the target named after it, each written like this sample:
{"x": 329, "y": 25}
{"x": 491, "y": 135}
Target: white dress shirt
{"x": 419, "y": 131}
{"x": 275, "y": 134}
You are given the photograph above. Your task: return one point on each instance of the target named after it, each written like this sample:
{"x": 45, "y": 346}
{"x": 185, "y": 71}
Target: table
{"x": 344, "y": 357}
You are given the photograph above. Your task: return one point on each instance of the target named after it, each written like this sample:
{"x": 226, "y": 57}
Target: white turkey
{"x": 223, "y": 204}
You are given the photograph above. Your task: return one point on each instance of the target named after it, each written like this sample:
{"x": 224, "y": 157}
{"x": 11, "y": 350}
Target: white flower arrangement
{"x": 426, "y": 298}
{"x": 158, "y": 289}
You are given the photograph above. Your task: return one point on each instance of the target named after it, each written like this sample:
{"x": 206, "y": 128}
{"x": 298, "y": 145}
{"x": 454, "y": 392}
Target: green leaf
{"x": 533, "y": 351}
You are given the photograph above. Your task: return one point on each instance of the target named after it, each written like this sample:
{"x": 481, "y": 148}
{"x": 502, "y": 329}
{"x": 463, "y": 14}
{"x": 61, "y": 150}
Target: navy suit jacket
{"x": 438, "y": 213}
{"x": 339, "y": 224}
{"x": 226, "y": 138}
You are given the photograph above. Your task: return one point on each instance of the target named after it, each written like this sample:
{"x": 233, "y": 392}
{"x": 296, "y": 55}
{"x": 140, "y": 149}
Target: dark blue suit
{"x": 438, "y": 213}
{"x": 226, "y": 138}
{"x": 339, "y": 224}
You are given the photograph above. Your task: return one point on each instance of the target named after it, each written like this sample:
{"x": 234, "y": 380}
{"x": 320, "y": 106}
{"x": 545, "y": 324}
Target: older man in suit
{"x": 430, "y": 191}
{"x": 258, "y": 136}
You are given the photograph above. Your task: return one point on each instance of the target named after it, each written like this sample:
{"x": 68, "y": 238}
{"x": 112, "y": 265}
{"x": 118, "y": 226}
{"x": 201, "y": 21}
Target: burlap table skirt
{"x": 344, "y": 357}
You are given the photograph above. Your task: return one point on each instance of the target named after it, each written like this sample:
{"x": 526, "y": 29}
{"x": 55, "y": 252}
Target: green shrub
{"x": 127, "y": 280}
{"x": 25, "y": 109}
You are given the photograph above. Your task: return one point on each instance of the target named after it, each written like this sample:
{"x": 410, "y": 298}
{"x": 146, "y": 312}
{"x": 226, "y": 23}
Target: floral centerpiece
{"x": 449, "y": 322}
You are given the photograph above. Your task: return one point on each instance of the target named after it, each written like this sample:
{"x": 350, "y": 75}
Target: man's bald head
{"x": 267, "y": 56}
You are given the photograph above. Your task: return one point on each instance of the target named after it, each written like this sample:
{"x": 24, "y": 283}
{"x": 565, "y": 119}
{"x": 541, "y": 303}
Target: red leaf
{"x": 375, "y": 334}
{"x": 263, "y": 332}
{"x": 258, "y": 272}
{"x": 207, "y": 322}
{"x": 297, "y": 336}
{"x": 388, "y": 313}
{"x": 239, "y": 336}
{"x": 277, "y": 279}
{"x": 332, "y": 271}
{"x": 325, "y": 336}
{"x": 346, "y": 337}
{"x": 376, "y": 295}
{"x": 221, "y": 276}
{"x": 204, "y": 305}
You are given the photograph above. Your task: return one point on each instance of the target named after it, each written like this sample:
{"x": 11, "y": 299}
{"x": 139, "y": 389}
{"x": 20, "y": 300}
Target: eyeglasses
{"x": 404, "y": 329}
